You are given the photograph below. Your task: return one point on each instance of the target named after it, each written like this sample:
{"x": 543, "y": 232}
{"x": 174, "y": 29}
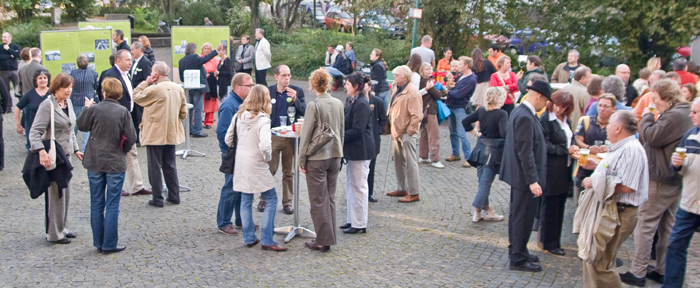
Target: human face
{"x": 351, "y": 89}
{"x": 399, "y": 79}
{"x": 448, "y": 54}
{"x": 284, "y": 77}
{"x": 206, "y": 49}
{"x": 558, "y": 110}
{"x": 124, "y": 62}
{"x": 258, "y": 35}
{"x": 492, "y": 52}
{"x": 64, "y": 93}
{"x": 605, "y": 108}
{"x": 6, "y": 38}
{"x": 661, "y": 105}
{"x": 115, "y": 38}
{"x": 135, "y": 52}
{"x": 348, "y": 47}
{"x": 42, "y": 81}
{"x": 427, "y": 71}
{"x": 529, "y": 65}
{"x": 245, "y": 40}
{"x": 373, "y": 56}
{"x": 572, "y": 58}
{"x": 330, "y": 50}
{"x": 686, "y": 93}
{"x": 613, "y": 130}
{"x": 460, "y": 66}
{"x": 506, "y": 65}
{"x": 623, "y": 71}
{"x": 243, "y": 90}
{"x": 695, "y": 114}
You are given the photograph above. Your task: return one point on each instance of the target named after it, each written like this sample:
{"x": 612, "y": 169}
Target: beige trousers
{"x": 133, "y": 171}
{"x": 603, "y": 273}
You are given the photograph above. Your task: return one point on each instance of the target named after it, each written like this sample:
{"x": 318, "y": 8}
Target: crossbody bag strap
{"x": 53, "y": 121}
{"x": 235, "y": 132}
{"x": 510, "y": 94}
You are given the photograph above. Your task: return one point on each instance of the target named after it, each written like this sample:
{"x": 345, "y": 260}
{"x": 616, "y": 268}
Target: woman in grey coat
{"x": 245, "y": 54}
{"x": 64, "y": 119}
{"x": 105, "y": 160}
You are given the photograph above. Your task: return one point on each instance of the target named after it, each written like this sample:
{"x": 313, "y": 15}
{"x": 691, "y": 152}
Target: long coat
{"x": 359, "y": 141}
{"x": 525, "y": 152}
{"x": 558, "y": 168}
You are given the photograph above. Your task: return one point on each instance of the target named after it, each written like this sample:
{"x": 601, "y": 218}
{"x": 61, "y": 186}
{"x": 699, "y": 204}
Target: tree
{"x": 23, "y": 8}
{"x": 292, "y": 12}
{"x": 78, "y": 9}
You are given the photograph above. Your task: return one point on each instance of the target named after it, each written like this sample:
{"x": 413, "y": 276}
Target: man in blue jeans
{"x": 230, "y": 200}
{"x": 457, "y": 99}
{"x": 688, "y": 216}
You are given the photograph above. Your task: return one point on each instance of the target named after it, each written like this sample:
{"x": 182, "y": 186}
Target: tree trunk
{"x": 292, "y": 13}
{"x": 254, "y": 17}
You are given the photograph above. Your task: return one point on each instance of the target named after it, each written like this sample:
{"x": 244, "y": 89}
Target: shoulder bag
{"x": 510, "y": 94}
{"x": 228, "y": 160}
{"x": 323, "y": 133}
{"x": 443, "y": 111}
{"x": 52, "y": 149}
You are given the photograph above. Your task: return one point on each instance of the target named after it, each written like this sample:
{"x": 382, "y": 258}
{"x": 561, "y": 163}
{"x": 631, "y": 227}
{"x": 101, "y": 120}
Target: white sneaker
{"x": 422, "y": 160}
{"x": 437, "y": 164}
{"x": 477, "y": 216}
{"x": 491, "y": 216}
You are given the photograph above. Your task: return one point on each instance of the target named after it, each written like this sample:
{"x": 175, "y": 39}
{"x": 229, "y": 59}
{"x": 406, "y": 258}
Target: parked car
{"x": 382, "y": 22}
{"x": 338, "y": 20}
{"x": 522, "y": 37}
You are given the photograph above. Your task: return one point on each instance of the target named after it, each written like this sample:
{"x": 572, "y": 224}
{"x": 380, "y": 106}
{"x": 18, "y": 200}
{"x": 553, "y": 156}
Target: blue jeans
{"x": 267, "y": 229}
{"x": 228, "y": 202}
{"x": 386, "y": 96}
{"x": 104, "y": 208}
{"x": 677, "y": 250}
{"x": 458, "y": 133}
{"x": 79, "y": 110}
{"x": 196, "y": 99}
{"x": 486, "y": 176}
{"x": 334, "y": 72}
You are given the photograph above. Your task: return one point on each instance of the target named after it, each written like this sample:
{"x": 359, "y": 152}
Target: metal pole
{"x": 415, "y": 26}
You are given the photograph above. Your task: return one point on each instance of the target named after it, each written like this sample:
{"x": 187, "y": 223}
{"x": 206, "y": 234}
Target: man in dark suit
{"x": 524, "y": 168}
{"x": 140, "y": 70}
{"x": 118, "y": 37}
{"x": 192, "y": 61}
{"x": 100, "y": 97}
{"x": 120, "y": 71}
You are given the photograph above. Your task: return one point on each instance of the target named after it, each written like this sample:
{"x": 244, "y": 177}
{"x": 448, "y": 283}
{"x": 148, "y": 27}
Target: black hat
{"x": 541, "y": 87}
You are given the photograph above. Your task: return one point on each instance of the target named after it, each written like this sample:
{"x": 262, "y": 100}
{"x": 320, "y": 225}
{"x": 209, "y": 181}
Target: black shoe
{"x": 533, "y": 259}
{"x": 527, "y": 267}
{"x": 200, "y": 135}
{"x": 99, "y": 249}
{"x": 354, "y": 230}
{"x": 346, "y": 226}
{"x": 372, "y": 198}
{"x": 154, "y": 203}
{"x": 62, "y": 241}
{"x": 630, "y": 279}
{"x": 118, "y": 249}
{"x": 71, "y": 235}
{"x": 656, "y": 277}
{"x": 557, "y": 251}
{"x": 172, "y": 201}
{"x": 618, "y": 262}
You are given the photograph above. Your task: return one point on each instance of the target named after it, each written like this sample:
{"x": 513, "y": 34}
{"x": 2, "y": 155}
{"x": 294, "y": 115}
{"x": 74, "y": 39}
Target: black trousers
{"x": 552, "y": 219}
{"x": 260, "y": 77}
{"x": 523, "y": 206}
{"x": 508, "y": 108}
{"x": 370, "y": 177}
{"x": 163, "y": 158}
{"x": 2, "y": 146}
{"x": 248, "y": 71}
{"x": 136, "y": 116}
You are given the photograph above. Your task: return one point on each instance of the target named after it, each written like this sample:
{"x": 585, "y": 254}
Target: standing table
{"x": 295, "y": 230}
{"x": 187, "y": 151}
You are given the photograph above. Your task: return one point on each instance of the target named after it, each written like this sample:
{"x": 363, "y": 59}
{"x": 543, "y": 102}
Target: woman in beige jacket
{"x": 322, "y": 167}
{"x": 251, "y": 173}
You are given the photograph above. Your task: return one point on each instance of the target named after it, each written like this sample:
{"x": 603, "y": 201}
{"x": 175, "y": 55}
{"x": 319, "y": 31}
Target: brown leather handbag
{"x": 323, "y": 133}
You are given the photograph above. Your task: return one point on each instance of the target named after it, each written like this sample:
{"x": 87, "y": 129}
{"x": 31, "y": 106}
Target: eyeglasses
{"x": 248, "y": 85}
{"x": 601, "y": 106}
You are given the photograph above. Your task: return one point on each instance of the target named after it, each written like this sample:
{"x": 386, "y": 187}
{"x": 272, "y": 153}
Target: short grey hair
{"x": 626, "y": 119}
{"x": 575, "y": 51}
{"x": 191, "y": 48}
{"x": 162, "y": 68}
{"x": 404, "y": 71}
{"x": 660, "y": 73}
{"x": 137, "y": 45}
{"x": 614, "y": 85}
{"x": 207, "y": 44}
{"x": 82, "y": 61}
{"x": 260, "y": 30}
{"x": 696, "y": 101}
{"x": 426, "y": 39}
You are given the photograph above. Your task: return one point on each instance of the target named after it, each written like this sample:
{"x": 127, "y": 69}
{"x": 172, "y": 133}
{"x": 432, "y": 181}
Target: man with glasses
{"x": 230, "y": 200}
{"x": 283, "y": 96}
{"x": 591, "y": 129}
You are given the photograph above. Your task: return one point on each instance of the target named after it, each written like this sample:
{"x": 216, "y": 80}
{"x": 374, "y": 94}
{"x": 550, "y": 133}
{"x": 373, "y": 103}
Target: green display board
{"x": 123, "y": 25}
{"x": 182, "y": 35}
{"x": 61, "y": 49}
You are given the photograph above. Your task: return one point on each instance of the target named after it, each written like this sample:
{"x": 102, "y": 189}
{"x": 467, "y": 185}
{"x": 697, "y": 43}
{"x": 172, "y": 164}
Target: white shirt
{"x": 127, "y": 81}
{"x": 566, "y": 128}
{"x": 136, "y": 63}
{"x": 627, "y": 160}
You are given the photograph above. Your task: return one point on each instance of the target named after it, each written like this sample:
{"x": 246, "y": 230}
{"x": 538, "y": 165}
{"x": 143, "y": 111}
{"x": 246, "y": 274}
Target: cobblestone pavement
{"x": 428, "y": 243}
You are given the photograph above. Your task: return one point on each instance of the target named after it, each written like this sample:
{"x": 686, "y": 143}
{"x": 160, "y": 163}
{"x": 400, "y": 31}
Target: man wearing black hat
{"x": 524, "y": 168}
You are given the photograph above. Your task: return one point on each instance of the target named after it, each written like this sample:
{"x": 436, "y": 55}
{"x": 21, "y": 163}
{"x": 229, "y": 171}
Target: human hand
{"x": 430, "y": 84}
{"x": 536, "y": 189}
{"x": 302, "y": 169}
{"x": 240, "y": 61}
{"x": 44, "y": 159}
{"x": 574, "y": 149}
{"x": 519, "y": 75}
{"x": 676, "y": 160}
{"x": 89, "y": 102}
{"x": 604, "y": 148}
{"x": 587, "y": 182}
{"x": 595, "y": 149}
{"x": 79, "y": 155}
{"x": 20, "y": 129}
{"x": 590, "y": 164}
{"x": 292, "y": 93}
{"x": 219, "y": 47}
{"x": 7, "y": 47}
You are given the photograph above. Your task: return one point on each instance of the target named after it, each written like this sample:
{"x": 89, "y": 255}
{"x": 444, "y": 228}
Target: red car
{"x": 338, "y": 20}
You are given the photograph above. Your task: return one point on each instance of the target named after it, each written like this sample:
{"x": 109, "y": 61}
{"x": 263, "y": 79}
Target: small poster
{"x": 90, "y": 56}
{"x": 225, "y": 43}
{"x": 101, "y": 44}
{"x": 53, "y": 55}
{"x": 179, "y": 50}
{"x": 67, "y": 67}
{"x": 183, "y": 44}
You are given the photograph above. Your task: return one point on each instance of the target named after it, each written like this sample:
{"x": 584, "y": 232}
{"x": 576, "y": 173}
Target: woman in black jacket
{"x": 225, "y": 74}
{"x": 378, "y": 119}
{"x": 378, "y": 73}
{"x": 558, "y": 135}
{"x": 430, "y": 129}
{"x": 358, "y": 150}
{"x": 488, "y": 151}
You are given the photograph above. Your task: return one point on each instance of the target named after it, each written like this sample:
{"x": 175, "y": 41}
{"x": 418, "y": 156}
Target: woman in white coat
{"x": 251, "y": 173}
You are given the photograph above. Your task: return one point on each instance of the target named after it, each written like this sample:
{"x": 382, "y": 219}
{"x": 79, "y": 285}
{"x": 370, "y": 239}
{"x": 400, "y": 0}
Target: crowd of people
{"x": 626, "y": 148}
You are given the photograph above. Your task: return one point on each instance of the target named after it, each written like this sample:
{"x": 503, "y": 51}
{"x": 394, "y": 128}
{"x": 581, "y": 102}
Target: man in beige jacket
{"x": 579, "y": 90}
{"x": 405, "y": 114}
{"x": 164, "y": 109}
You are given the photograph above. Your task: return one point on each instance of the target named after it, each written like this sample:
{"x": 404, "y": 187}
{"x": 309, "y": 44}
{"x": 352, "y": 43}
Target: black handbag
{"x": 228, "y": 160}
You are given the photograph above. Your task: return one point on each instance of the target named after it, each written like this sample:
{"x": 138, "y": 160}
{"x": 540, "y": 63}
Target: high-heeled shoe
{"x": 352, "y": 230}
{"x": 346, "y": 226}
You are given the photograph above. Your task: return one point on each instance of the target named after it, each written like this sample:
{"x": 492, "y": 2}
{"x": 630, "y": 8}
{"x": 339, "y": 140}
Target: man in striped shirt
{"x": 628, "y": 161}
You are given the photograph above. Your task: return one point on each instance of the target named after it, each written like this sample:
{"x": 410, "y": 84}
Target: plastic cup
{"x": 583, "y": 160}
{"x": 652, "y": 107}
{"x": 283, "y": 121}
{"x": 681, "y": 151}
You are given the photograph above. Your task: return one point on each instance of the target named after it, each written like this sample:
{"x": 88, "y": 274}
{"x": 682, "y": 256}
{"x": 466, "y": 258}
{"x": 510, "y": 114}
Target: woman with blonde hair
{"x": 211, "y": 98}
{"x": 322, "y": 167}
{"x": 486, "y": 157}
{"x": 654, "y": 64}
{"x": 251, "y": 174}
{"x": 506, "y": 79}
{"x": 147, "y": 50}
{"x": 430, "y": 129}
